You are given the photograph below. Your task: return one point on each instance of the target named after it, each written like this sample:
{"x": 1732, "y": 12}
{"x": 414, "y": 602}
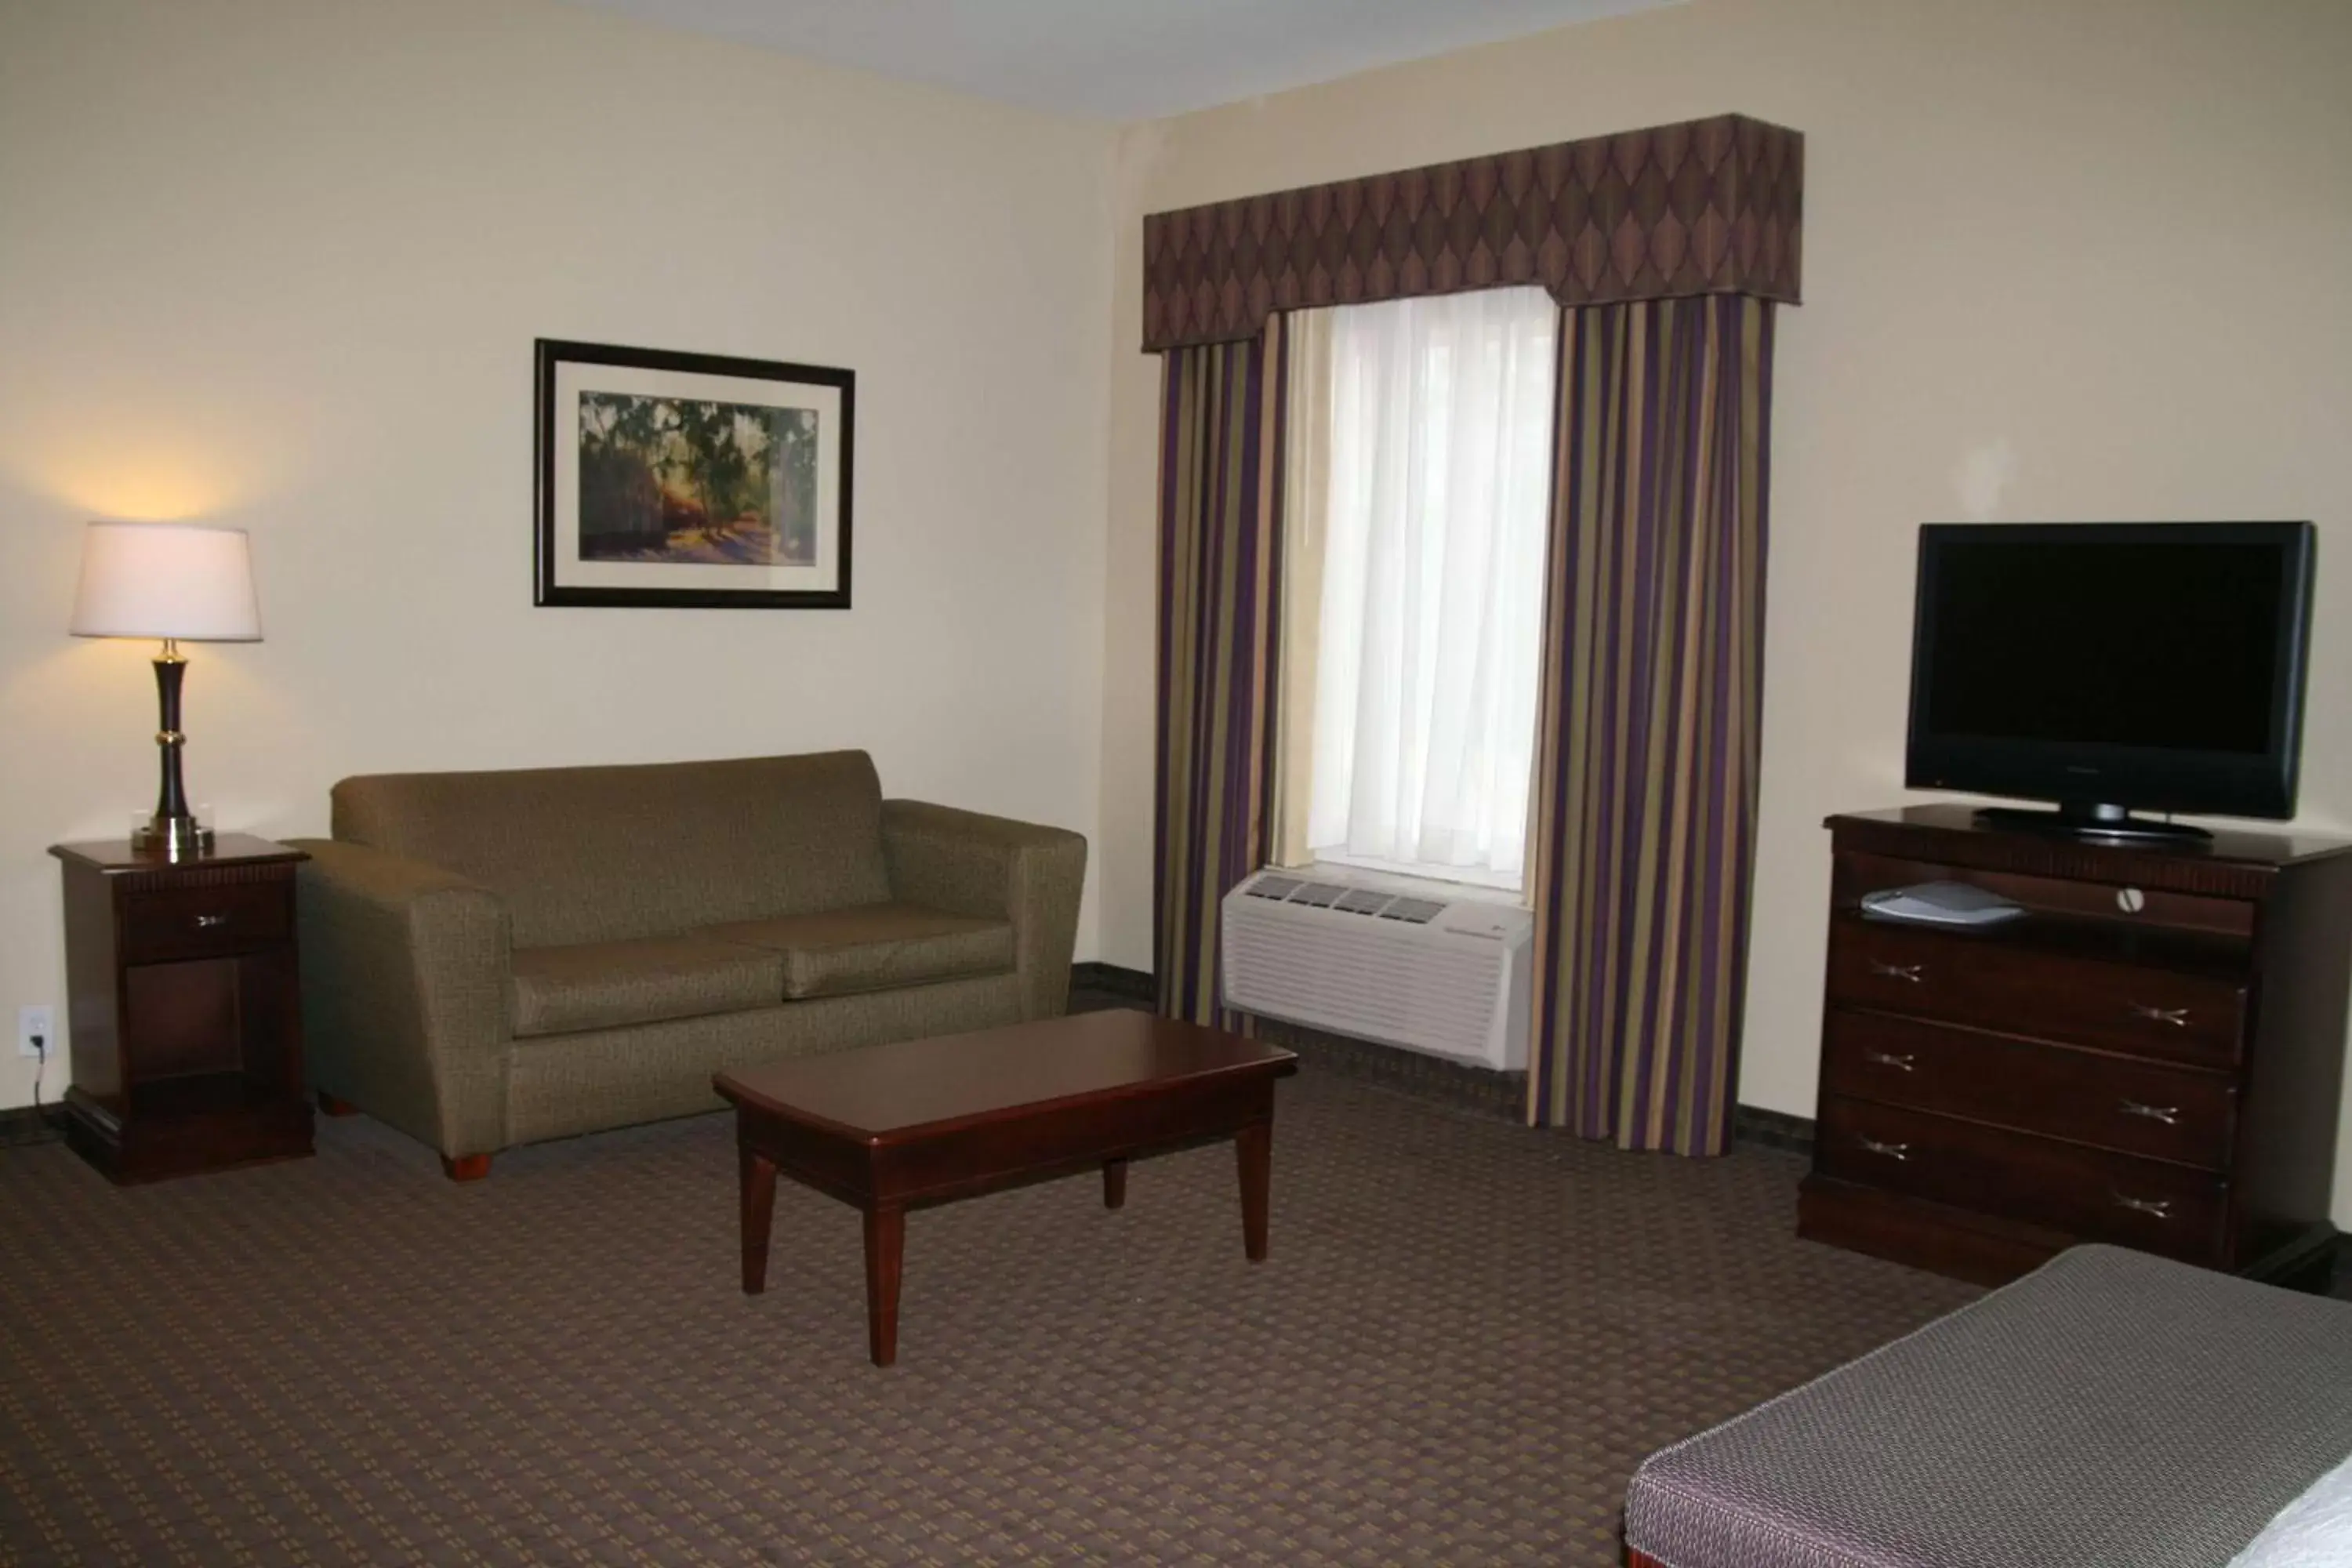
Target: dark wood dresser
{"x": 186, "y": 1008}
{"x": 2152, "y": 1057}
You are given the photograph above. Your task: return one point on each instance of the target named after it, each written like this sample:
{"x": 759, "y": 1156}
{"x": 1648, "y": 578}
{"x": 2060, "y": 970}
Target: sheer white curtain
{"x": 1423, "y": 553}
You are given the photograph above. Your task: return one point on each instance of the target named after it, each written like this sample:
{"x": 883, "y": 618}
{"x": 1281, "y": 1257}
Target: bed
{"x": 2110, "y": 1408}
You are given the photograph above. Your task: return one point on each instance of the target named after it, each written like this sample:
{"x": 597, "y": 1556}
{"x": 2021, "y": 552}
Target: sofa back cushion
{"x": 612, "y": 854}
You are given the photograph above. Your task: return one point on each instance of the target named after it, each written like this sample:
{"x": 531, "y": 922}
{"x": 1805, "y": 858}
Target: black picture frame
{"x": 654, "y": 516}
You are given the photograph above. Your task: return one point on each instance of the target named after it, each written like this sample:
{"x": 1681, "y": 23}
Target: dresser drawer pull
{"x": 2168, "y": 1114}
{"x": 1896, "y": 971}
{"x": 208, "y": 922}
{"x": 1889, "y": 1059}
{"x": 1892, "y": 1151}
{"x": 2161, "y": 1208}
{"x": 2175, "y": 1016}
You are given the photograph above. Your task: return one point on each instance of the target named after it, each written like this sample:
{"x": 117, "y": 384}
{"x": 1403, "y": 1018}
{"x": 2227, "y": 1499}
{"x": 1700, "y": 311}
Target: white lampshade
{"x": 181, "y": 580}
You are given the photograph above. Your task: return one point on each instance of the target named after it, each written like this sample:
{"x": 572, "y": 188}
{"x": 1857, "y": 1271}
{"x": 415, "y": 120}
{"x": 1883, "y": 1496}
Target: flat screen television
{"x": 2112, "y": 667}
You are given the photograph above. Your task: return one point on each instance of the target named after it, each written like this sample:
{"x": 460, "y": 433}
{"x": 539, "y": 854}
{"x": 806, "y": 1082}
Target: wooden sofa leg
{"x": 1636, "y": 1560}
{"x": 465, "y": 1167}
{"x": 333, "y": 1105}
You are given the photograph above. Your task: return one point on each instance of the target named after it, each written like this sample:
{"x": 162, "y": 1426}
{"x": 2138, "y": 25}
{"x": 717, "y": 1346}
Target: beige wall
{"x": 2063, "y": 259}
{"x": 279, "y": 264}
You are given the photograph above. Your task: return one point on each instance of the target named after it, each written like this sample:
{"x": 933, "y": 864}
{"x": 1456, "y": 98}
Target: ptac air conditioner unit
{"x": 1445, "y": 976}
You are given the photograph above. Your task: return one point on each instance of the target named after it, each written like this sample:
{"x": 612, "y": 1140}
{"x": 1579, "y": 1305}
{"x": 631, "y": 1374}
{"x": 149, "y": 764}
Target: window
{"x": 1418, "y": 488}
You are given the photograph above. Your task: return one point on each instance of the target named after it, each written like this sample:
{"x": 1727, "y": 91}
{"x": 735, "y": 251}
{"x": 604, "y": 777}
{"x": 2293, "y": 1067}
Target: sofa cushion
{"x": 608, "y": 984}
{"x": 875, "y": 946}
{"x": 612, "y": 853}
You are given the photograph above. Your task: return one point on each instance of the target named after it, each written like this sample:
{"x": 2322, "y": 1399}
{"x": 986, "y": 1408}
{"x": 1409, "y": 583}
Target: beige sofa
{"x": 491, "y": 958}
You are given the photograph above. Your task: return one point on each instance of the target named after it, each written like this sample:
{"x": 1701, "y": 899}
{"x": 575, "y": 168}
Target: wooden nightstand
{"x": 187, "y": 1014}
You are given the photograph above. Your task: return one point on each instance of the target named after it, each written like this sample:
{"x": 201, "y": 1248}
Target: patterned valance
{"x": 1707, "y": 206}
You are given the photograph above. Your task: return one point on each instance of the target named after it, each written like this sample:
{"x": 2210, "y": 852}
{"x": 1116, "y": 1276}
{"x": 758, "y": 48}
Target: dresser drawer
{"x": 169, "y": 924}
{"x": 1858, "y": 874}
{"x": 2024, "y": 989}
{"x": 2087, "y": 1193}
{"x": 2122, "y": 1103}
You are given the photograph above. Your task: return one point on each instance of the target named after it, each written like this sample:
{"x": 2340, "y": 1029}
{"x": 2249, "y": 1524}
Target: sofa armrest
{"x": 991, "y": 866}
{"x": 405, "y": 969}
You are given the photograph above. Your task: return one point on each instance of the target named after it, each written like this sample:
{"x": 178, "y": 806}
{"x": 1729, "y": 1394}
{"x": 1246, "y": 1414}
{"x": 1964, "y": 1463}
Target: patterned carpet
{"x": 1467, "y": 1335}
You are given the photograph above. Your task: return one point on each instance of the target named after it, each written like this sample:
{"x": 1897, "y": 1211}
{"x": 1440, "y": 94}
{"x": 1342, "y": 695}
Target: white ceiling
{"x": 1119, "y": 60}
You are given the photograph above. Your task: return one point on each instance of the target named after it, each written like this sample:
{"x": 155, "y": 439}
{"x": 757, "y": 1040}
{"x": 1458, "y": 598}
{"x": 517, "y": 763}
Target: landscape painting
{"x": 731, "y": 484}
{"x": 690, "y": 480}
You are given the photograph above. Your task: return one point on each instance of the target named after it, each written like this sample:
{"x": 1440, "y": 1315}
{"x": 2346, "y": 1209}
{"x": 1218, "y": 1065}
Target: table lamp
{"x": 181, "y": 583}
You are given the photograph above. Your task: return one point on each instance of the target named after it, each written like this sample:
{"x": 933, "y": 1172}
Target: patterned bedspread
{"x": 2111, "y": 1408}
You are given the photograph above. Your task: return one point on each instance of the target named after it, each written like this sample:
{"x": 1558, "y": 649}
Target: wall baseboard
{"x": 1772, "y": 1128}
{"x": 1113, "y": 980}
{"x": 22, "y": 1124}
{"x": 1496, "y": 1093}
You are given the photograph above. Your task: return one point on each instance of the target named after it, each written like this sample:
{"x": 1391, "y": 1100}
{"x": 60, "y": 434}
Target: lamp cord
{"x": 41, "y": 1116}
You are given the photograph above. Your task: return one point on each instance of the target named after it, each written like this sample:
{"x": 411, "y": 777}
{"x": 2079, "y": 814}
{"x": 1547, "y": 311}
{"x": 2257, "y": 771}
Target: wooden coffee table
{"x": 890, "y": 1128}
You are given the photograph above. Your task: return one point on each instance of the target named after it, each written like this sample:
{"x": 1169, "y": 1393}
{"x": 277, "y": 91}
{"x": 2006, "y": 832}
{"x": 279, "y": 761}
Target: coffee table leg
{"x": 1254, "y": 1153}
{"x": 1114, "y": 1183}
{"x": 756, "y": 1180}
{"x": 885, "y": 1241}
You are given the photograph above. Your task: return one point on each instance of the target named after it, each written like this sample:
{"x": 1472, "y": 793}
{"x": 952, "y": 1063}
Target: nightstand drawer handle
{"x": 208, "y": 922}
{"x": 2168, "y": 1114}
{"x": 1892, "y": 1151}
{"x": 2161, "y": 1208}
{"x": 2175, "y": 1016}
{"x": 1889, "y": 1059}
{"x": 1896, "y": 971}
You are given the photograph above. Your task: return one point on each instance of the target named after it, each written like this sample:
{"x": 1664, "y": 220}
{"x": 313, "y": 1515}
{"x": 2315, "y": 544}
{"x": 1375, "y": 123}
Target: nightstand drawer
{"x": 2024, "y": 989}
{"x": 2131, "y": 1106}
{"x": 174, "y": 923}
{"x": 2086, "y": 1192}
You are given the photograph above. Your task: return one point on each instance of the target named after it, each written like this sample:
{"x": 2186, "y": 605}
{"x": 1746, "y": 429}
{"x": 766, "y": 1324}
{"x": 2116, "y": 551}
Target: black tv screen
{"x": 2155, "y": 666}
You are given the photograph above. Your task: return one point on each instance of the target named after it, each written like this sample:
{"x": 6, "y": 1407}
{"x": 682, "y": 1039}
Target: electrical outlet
{"x": 36, "y": 1023}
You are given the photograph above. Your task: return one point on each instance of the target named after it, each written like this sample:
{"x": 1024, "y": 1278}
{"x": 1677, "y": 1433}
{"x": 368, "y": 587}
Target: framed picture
{"x": 691, "y": 480}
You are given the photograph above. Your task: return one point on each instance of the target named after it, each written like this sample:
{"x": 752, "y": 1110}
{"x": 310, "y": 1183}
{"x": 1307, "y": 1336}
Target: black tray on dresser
{"x": 2152, "y": 1057}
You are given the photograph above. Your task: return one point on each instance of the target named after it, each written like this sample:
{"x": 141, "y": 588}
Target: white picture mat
{"x": 574, "y": 378}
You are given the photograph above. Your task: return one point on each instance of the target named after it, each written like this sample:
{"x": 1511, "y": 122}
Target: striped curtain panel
{"x": 1221, "y": 479}
{"x": 1646, "y": 809}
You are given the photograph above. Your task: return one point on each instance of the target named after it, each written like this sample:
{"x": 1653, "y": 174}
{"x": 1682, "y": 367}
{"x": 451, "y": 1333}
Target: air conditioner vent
{"x": 1446, "y": 977}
